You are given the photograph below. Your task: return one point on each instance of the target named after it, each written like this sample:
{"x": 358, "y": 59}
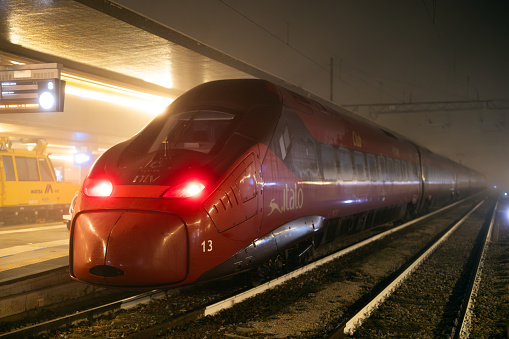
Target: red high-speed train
{"x": 236, "y": 172}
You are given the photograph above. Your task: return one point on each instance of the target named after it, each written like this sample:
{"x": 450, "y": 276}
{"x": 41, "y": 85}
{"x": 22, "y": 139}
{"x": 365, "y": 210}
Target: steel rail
{"x": 354, "y": 322}
{"x": 91, "y": 313}
{"x": 467, "y": 314}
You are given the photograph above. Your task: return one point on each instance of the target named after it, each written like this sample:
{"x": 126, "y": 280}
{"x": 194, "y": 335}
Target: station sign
{"x": 31, "y": 88}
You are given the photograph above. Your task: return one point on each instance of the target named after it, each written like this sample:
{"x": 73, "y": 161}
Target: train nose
{"x": 123, "y": 248}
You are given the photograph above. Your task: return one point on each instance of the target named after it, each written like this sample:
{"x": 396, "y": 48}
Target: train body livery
{"x": 234, "y": 173}
{"x": 29, "y": 188}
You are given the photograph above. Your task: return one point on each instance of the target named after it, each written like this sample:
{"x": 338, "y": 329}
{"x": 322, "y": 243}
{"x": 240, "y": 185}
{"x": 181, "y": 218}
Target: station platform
{"x": 27, "y": 250}
{"x": 34, "y": 271}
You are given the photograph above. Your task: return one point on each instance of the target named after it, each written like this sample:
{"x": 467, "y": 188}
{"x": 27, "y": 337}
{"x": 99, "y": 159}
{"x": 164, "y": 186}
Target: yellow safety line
{"x": 30, "y": 261}
{"x": 32, "y": 229}
{"x": 32, "y": 247}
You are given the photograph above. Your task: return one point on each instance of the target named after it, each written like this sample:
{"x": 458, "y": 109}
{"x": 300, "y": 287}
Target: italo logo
{"x": 293, "y": 199}
{"x": 146, "y": 179}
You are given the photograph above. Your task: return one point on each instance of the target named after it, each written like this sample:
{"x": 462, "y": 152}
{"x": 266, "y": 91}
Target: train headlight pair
{"x": 104, "y": 188}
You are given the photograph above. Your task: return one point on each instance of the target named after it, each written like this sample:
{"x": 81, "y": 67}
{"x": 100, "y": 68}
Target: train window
{"x": 390, "y": 170}
{"x": 9, "y": 168}
{"x": 381, "y": 168}
{"x": 302, "y": 156}
{"x": 411, "y": 171}
{"x": 345, "y": 164}
{"x": 373, "y": 175}
{"x": 45, "y": 170}
{"x": 328, "y": 163}
{"x": 284, "y": 143}
{"x": 359, "y": 165}
{"x": 27, "y": 169}
{"x": 397, "y": 170}
{"x": 404, "y": 172}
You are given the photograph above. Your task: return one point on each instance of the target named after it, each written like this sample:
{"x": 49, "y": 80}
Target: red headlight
{"x": 97, "y": 187}
{"x": 185, "y": 190}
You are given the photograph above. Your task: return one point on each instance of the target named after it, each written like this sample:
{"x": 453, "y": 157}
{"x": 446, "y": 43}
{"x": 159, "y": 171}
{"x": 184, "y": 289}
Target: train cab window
{"x": 27, "y": 169}
{"x": 382, "y": 172}
{"x": 373, "y": 175}
{"x": 345, "y": 164}
{"x": 390, "y": 169}
{"x": 359, "y": 165}
{"x": 200, "y": 131}
{"x": 9, "y": 168}
{"x": 45, "y": 170}
{"x": 328, "y": 163}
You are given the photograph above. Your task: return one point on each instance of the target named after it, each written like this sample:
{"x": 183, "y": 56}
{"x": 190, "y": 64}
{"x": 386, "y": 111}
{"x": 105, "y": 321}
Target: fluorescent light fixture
{"x": 96, "y": 90}
{"x": 82, "y": 158}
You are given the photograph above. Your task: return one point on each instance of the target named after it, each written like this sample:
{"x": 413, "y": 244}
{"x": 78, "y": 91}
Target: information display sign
{"x": 31, "y": 88}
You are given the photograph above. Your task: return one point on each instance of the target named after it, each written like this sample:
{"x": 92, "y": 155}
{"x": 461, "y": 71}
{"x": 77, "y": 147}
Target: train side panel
{"x": 280, "y": 170}
{"x": 445, "y": 181}
{"x": 343, "y": 169}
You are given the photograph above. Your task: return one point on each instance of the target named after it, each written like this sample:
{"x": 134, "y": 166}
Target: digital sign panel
{"x": 40, "y": 95}
{"x": 31, "y": 88}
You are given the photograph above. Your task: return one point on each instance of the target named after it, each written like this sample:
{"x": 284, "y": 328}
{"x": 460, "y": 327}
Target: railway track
{"x": 431, "y": 296}
{"x": 167, "y": 314}
{"x": 491, "y": 311}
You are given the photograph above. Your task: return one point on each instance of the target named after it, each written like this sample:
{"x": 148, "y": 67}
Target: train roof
{"x": 236, "y": 94}
{"x": 240, "y": 94}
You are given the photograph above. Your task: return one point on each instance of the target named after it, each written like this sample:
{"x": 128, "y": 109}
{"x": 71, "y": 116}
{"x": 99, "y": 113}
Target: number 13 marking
{"x": 207, "y": 246}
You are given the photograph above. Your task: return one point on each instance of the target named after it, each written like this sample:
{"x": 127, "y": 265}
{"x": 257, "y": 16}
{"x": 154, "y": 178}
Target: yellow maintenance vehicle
{"x": 29, "y": 191}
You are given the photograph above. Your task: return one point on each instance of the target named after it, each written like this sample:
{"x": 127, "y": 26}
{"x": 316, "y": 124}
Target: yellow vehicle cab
{"x": 29, "y": 190}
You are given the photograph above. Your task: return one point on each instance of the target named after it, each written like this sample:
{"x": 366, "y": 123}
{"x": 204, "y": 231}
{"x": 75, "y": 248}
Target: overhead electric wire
{"x": 350, "y": 70}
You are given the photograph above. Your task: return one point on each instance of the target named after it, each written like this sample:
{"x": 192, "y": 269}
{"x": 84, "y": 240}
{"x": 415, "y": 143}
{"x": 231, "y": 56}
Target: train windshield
{"x": 196, "y": 131}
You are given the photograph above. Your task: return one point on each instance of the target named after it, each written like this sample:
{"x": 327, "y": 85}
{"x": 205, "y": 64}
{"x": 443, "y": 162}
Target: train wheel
{"x": 427, "y": 206}
{"x": 306, "y": 255}
{"x": 259, "y": 275}
{"x": 410, "y": 212}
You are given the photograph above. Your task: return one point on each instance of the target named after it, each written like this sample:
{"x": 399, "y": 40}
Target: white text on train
{"x": 145, "y": 178}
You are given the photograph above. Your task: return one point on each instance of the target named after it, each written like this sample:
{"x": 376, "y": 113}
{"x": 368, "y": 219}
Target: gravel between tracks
{"x": 426, "y": 305}
{"x": 491, "y": 309}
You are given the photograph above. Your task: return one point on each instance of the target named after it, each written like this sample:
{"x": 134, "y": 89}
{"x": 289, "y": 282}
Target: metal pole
{"x": 332, "y": 79}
